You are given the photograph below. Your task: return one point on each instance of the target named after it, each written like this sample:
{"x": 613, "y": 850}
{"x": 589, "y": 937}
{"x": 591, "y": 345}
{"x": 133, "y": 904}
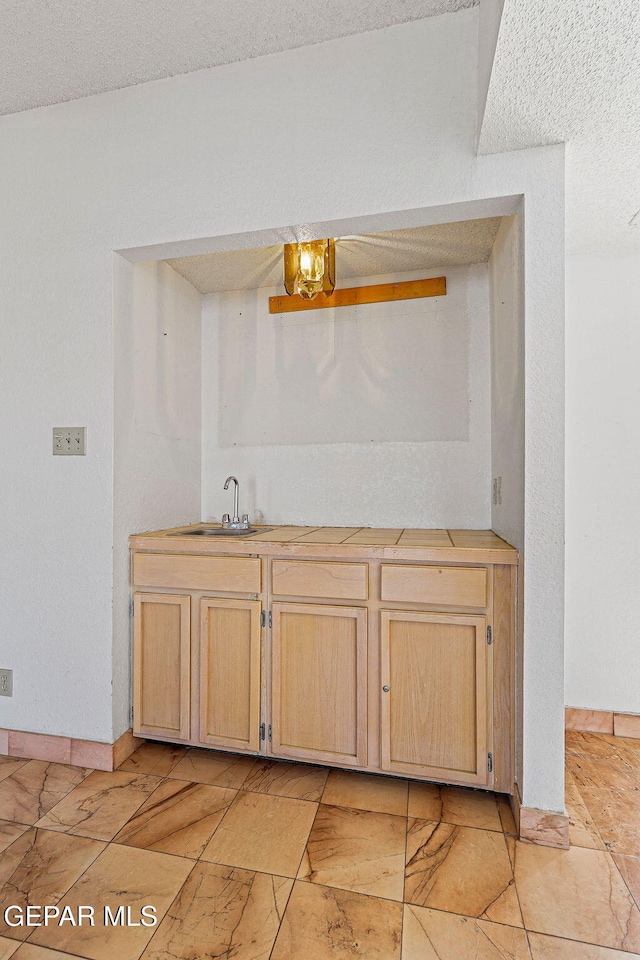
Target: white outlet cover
{"x": 69, "y": 441}
{"x": 6, "y": 683}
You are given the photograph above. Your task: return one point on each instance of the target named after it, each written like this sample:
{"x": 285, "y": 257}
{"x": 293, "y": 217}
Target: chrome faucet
{"x": 235, "y": 523}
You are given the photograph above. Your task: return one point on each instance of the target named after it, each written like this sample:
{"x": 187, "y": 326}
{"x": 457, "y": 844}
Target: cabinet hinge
{"x": 266, "y": 619}
{"x": 262, "y": 731}
{"x": 132, "y": 606}
{"x": 490, "y": 762}
{"x": 489, "y": 636}
{"x": 269, "y": 731}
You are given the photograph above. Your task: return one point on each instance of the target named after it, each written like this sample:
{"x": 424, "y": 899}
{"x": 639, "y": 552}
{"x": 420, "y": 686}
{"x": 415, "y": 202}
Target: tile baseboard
{"x": 76, "y": 753}
{"x": 545, "y": 827}
{"x": 603, "y": 721}
{"x": 626, "y": 725}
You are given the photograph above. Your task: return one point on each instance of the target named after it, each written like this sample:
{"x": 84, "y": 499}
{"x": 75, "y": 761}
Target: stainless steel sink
{"x": 207, "y": 531}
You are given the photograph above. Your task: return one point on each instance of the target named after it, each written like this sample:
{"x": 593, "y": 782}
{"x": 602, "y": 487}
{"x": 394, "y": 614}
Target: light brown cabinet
{"x": 162, "y": 680}
{"x": 319, "y": 683}
{"x": 434, "y": 675}
{"x": 230, "y": 673}
{"x": 390, "y": 658}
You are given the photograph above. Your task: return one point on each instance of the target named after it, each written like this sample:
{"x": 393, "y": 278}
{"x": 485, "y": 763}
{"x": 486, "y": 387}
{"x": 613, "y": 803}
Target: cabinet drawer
{"x": 306, "y": 578}
{"x": 450, "y": 586}
{"x": 223, "y": 574}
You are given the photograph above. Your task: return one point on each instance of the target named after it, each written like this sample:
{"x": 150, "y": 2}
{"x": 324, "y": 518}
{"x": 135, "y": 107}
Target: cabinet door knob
{"x": 386, "y": 689}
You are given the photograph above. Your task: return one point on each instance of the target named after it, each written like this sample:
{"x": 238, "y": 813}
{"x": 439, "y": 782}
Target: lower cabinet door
{"x": 230, "y": 673}
{"x": 162, "y": 665}
{"x": 319, "y": 685}
{"x": 435, "y": 696}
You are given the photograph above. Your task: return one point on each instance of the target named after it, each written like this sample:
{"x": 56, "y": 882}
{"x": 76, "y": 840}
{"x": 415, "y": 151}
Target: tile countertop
{"x": 452, "y": 546}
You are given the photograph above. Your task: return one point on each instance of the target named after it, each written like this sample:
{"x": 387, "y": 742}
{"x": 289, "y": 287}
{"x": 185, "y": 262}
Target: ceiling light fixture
{"x": 310, "y": 268}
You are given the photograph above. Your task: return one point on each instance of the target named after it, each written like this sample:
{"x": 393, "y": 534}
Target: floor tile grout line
{"x": 359, "y": 893}
{"x": 64, "y": 953}
{"x": 624, "y": 879}
{"x": 275, "y": 939}
{"x": 306, "y": 843}
{"x": 202, "y": 783}
{"x": 404, "y": 875}
{"x": 452, "y": 913}
{"x": 78, "y": 878}
{"x": 165, "y": 914}
{"x": 375, "y": 813}
{"x": 615, "y": 951}
{"x": 606, "y": 847}
{"x": 528, "y": 942}
{"x": 592, "y": 818}
{"x": 513, "y": 874}
{"x": 222, "y": 819}
{"x": 235, "y": 866}
{"x": 587, "y": 943}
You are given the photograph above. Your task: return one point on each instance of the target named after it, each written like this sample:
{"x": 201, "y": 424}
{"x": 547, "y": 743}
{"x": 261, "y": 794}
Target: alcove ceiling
{"x": 370, "y": 255}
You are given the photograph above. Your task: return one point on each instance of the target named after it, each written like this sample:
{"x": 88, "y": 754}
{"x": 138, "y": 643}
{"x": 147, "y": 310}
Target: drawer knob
{"x": 386, "y": 689}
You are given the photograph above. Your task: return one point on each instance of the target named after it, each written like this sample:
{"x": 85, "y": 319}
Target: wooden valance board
{"x": 375, "y": 293}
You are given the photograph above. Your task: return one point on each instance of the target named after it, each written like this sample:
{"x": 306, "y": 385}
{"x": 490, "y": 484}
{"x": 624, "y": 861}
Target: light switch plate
{"x": 69, "y": 441}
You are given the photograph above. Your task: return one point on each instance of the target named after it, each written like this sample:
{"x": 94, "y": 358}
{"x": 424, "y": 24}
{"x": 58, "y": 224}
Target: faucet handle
{"x": 245, "y": 518}
{"x": 225, "y": 518}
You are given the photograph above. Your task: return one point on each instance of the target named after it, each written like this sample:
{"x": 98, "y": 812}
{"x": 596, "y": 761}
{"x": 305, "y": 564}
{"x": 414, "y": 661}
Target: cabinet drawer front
{"x": 451, "y": 586}
{"x": 223, "y": 574}
{"x": 306, "y": 578}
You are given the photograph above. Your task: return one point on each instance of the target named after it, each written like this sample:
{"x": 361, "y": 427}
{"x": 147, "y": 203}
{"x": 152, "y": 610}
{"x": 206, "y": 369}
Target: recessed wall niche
{"x": 376, "y": 414}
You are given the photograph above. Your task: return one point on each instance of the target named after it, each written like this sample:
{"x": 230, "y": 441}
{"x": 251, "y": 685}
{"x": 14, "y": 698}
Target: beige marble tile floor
{"x": 254, "y": 859}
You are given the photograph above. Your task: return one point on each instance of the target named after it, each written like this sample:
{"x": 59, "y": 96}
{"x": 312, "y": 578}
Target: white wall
{"x": 506, "y": 293}
{"x": 377, "y": 415}
{"x": 506, "y": 296}
{"x": 603, "y": 483}
{"x": 488, "y": 31}
{"x": 204, "y": 156}
{"x": 157, "y": 433}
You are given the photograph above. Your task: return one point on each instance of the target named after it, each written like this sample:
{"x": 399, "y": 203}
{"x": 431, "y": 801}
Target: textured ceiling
{"x": 569, "y": 71}
{"x": 55, "y": 50}
{"x": 399, "y": 251}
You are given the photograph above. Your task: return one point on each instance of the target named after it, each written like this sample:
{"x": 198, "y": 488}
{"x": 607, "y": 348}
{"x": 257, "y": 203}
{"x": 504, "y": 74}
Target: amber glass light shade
{"x": 309, "y": 268}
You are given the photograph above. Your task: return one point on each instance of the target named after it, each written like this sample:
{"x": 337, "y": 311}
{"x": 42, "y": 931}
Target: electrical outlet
{"x": 497, "y": 491}
{"x": 69, "y": 441}
{"x": 6, "y": 683}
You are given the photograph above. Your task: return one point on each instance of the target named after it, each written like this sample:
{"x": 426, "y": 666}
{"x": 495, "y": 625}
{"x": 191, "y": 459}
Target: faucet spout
{"x": 236, "y": 518}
